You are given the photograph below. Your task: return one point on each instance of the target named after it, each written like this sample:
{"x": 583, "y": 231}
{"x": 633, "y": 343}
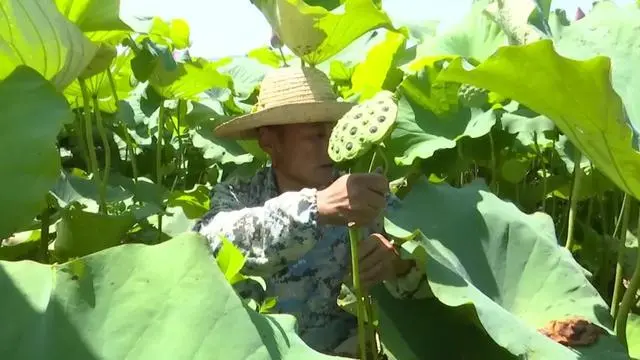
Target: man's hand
{"x": 357, "y": 198}
{"x": 379, "y": 261}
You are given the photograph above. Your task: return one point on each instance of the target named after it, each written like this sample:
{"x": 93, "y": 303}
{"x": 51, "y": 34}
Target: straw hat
{"x": 289, "y": 95}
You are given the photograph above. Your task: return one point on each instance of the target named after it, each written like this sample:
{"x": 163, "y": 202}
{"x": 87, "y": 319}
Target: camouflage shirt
{"x": 303, "y": 263}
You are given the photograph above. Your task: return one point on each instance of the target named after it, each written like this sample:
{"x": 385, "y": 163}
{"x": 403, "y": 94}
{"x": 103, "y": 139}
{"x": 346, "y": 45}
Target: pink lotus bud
{"x": 579, "y": 14}
{"x": 181, "y": 55}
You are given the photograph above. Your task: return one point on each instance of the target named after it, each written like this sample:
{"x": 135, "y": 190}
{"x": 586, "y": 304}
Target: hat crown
{"x": 294, "y": 85}
{"x": 291, "y": 95}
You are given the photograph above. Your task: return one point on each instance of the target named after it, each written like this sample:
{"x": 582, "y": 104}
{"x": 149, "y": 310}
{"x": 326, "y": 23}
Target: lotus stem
{"x": 159, "y": 175}
{"x": 603, "y": 278}
{"x": 354, "y": 239}
{"x": 577, "y": 176}
{"x": 371, "y": 324}
{"x": 494, "y": 166}
{"x": 628, "y": 299}
{"x": 621, "y": 233}
{"x": 544, "y": 171}
{"x": 372, "y": 164}
{"x": 592, "y": 199}
{"x": 182, "y": 109}
{"x": 461, "y": 157}
{"x": 553, "y": 198}
{"x": 130, "y": 147}
{"x": 590, "y": 210}
{"x": 78, "y": 124}
{"x": 618, "y": 219}
{"x": 385, "y": 161}
{"x": 605, "y": 213}
{"x": 107, "y": 149}
{"x": 45, "y": 221}
{"x": 364, "y": 305}
{"x": 284, "y": 60}
{"x": 88, "y": 127}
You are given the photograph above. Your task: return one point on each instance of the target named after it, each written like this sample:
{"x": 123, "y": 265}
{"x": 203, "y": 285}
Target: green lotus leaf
{"x": 576, "y": 95}
{"x": 633, "y": 335}
{"x": 81, "y": 232}
{"x": 98, "y": 19}
{"x": 98, "y": 84}
{"x": 188, "y": 80}
{"x": 168, "y": 301}
{"x": 478, "y": 249}
{"x": 316, "y": 34}
{"x": 419, "y": 133}
{"x": 34, "y": 33}
{"x": 371, "y": 75}
{"x": 29, "y": 159}
{"x": 476, "y": 36}
{"x": 609, "y": 30}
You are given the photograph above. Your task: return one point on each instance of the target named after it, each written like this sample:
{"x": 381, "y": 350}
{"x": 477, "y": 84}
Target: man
{"x": 290, "y": 218}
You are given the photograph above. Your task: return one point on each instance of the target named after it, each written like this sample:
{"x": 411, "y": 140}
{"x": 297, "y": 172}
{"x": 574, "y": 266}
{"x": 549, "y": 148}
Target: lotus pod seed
{"x": 353, "y": 136}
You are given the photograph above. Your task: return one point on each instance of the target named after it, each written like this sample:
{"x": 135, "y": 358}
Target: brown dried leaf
{"x": 572, "y": 332}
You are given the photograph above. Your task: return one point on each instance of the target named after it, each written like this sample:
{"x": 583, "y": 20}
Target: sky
{"x": 241, "y": 27}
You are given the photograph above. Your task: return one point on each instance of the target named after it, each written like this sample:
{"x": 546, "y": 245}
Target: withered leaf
{"x": 572, "y": 331}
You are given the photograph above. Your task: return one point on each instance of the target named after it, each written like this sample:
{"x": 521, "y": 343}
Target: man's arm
{"x": 270, "y": 236}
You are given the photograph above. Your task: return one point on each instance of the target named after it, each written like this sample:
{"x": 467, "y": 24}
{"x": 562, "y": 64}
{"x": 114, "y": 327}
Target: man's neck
{"x": 286, "y": 183}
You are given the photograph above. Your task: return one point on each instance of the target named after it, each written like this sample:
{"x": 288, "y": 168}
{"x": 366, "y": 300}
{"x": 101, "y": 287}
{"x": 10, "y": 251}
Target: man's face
{"x": 299, "y": 151}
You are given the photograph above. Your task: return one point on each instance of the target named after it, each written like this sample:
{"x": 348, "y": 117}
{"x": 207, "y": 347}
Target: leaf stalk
{"x": 629, "y": 297}
{"x": 575, "y": 191}
{"x": 159, "y": 175}
{"x": 88, "y": 126}
{"x": 130, "y": 145}
{"x": 107, "y": 153}
{"x": 621, "y": 233}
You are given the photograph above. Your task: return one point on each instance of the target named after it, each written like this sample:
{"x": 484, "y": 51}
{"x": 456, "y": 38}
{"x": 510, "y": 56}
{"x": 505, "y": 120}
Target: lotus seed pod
{"x": 364, "y": 126}
{"x": 473, "y": 96}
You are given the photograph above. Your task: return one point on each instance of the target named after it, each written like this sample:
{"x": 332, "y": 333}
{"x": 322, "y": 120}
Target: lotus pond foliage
{"x": 511, "y": 139}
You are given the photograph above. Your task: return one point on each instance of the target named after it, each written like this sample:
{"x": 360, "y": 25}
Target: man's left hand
{"x": 379, "y": 261}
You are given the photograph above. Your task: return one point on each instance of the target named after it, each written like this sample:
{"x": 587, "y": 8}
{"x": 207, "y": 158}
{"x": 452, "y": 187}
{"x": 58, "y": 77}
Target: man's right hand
{"x": 358, "y": 198}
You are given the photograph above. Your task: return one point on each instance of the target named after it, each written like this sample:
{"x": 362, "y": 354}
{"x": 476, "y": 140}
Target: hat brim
{"x": 245, "y": 127}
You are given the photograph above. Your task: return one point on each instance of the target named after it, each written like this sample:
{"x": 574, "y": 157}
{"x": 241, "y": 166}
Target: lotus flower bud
{"x": 181, "y": 55}
{"x": 275, "y": 40}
